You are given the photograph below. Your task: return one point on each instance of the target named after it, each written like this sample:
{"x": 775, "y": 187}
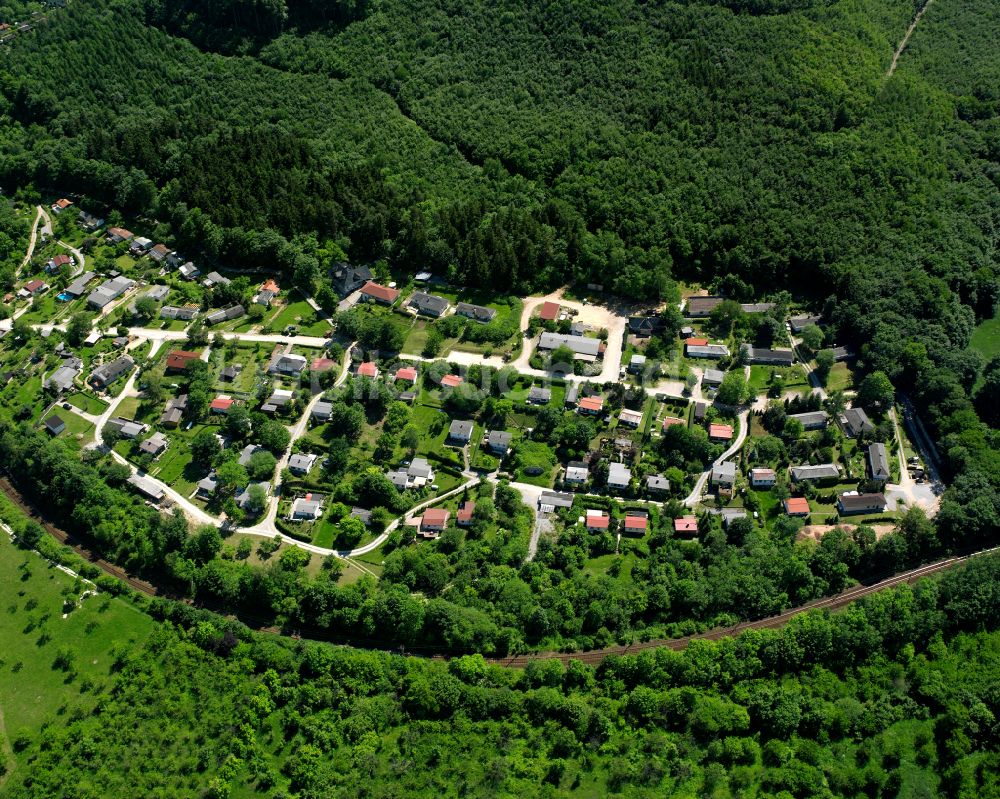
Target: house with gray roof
{"x": 78, "y": 286}
{"x": 126, "y": 428}
{"x": 712, "y": 377}
{"x": 499, "y": 442}
{"x": 698, "y": 307}
{"x": 347, "y": 279}
{"x": 760, "y": 355}
{"x": 819, "y": 471}
{"x": 811, "y": 420}
{"x": 576, "y": 472}
{"x": 155, "y": 445}
{"x": 428, "y": 304}
{"x": 106, "y": 374}
{"x": 724, "y": 474}
{"x": 63, "y": 378}
{"x": 306, "y": 509}
{"x": 109, "y": 291}
{"x": 301, "y": 463}
{"x": 853, "y": 502}
{"x": 478, "y": 313}
{"x": 619, "y": 476}
{"x": 584, "y": 349}
{"x": 321, "y": 411}
{"x": 657, "y": 484}
{"x": 225, "y": 314}
{"x": 856, "y": 422}
{"x": 548, "y": 501}
{"x": 801, "y": 322}
{"x": 711, "y": 351}
{"x": 757, "y": 307}
{"x": 213, "y": 279}
{"x": 878, "y": 462}
{"x": 287, "y": 363}
{"x": 539, "y": 396}
{"x": 146, "y": 486}
{"x": 243, "y": 498}
{"x": 185, "y": 312}
{"x": 460, "y": 430}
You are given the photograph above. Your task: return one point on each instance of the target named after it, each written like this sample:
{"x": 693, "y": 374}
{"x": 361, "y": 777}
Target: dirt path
{"x": 906, "y": 38}
{"x": 34, "y": 237}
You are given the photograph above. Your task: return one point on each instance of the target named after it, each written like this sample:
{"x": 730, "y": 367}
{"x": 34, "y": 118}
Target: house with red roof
{"x": 407, "y": 373}
{"x": 590, "y": 405}
{"x": 270, "y": 285}
{"x": 686, "y": 525}
{"x": 549, "y": 311}
{"x": 696, "y": 342}
{"x": 322, "y": 364}
{"x": 33, "y": 287}
{"x": 368, "y": 369}
{"x": 597, "y": 520}
{"x": 434, "y": 520}
{"x": 377, "y": 293}
{"x": 797, "y": 506}
{"x": 670, "y": 421}
{"x": 636, "y": 524}
{"x": 720, "y": 432}
{"x": 450, "y": 381}
{"x": 60, "y": 205}
{"x": 221, "y": 404}
{"x": 178, "y": 360}
{"x": 464, "y": 516}
{"x": 57, "y": 262}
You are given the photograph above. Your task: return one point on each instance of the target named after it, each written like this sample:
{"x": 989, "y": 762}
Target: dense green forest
{"x": 896, "y": 696}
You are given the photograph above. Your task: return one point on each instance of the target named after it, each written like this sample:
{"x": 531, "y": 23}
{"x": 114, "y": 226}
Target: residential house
{"x": 597, "y": 520}
{"x": 178, "y": 360}
{"x": 670, "y": 421}
{"x": 819, "y": 471}
{"x": 878, "y": 462}
{"x": 498, "y": 442}
{"x": 109, "y": 291}
{"x": 321, "y": 411}
{"x": 125, "y": 428}
{"x": 159, "y": 253}
{"x": 377, "y": 293}
{"x": 79, "y": 286}
{"x": 64, "y": 377}
{"x": 155, "y": 445}
{"x": 106, "y": 374}
{"x": 549, "y": 501}
{"x": 248, "y": 452}
{"x": 460, "y": 431}
{"x": 89, "y": 222}
{"x": 549, "y": 311}
{"x": 853, "y": 502}
{"x": 57, "y": 262}
{"x": 637, "y": 363}
{"x": 686, "y": 525}
{"x": 347, "y": 279}
{"x": 644, "y": 326}
{"x": 687, "y": 332}
{"x": 797, "y": 506}
{"x": 407, "y": 374}
{"x": 368, "y": 369}
{"x": 578, "y": 329}
{"x": 156, "y": 293}
{"x": 189, "y": 271}
{"x": 174, "y": 411}
{"x": 801, "y": 322}
{"x": 207, "y": 486}
{"x": 302, "y": 463}
{"x": 264, "y": 298}
{"x": 590, "y": 406}
{"x": 428, "y": 304}
{"x": 221, "y": 404}
{"x": 119, "y": 234}
{"x": 700, "y": 307}
{"x": 416, "y": 474}
{"x": 463, "y": 518}
{"x": 229, "y": 373}
{"x": 215, "y": 279}
{"x": 757, "y": 307}
{"x": 434, "y": 520}
{"x": 619, "y": 476}
{"x": 140, "y": 244}
{"x": 148, "y": 487}
{"x": 54, "y": 425}
{"x": 306, "y": 509}
{"x": 720, "y": 432}
{"x": 478, "y": 313}
{"x": 363, "y": 514}
{"x": 243, "y": 498}
{"x": 279, "y": 398}
{"x": 576, "y": 473}
{"x": 842, "y": 354}
{"x": 287, "y": 363}
{"x": 60, "y": 205}
{"x": 712, "y": 377}
{"x": 175, "y": 260}
{"x": 635, "y": 524}
{"x": 33, "y": 288}
{"x": 322, "y": 364}
{"x": 761, "y": 477}
{"x": 657, "y": 484}
{"x": 706, "y": 350}
{"x": 856, "y": 422}
{"x": 225, "y": 315}
{"x": 811, "y": 420}
{"x": 630, "y": 418}
{"x": 185, "y": 312}
{"x": 724, "y": 474}
{"x": 539, "y": 396}
{"x": 572, "y": 395}
{"x": 760, "y": 355}
{"x": 451, "y": 381}
{"x": 730, "y": 515}
{"x": 584, "y": 349}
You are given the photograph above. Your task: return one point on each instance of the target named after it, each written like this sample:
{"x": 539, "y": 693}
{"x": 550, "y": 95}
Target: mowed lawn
{"x": 34, "y": 632}
{"x": 986, "y": 339}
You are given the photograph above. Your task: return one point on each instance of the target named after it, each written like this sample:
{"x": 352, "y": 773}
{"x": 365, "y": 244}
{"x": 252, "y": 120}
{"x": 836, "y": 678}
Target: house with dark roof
{"x": 106, "y": 374}
{"x": 760, "y": 355}
{"x": 155, "y": 445}
{"x": 78, "y": 286}
{"x": 584, "y": 349}
{"x": 428, "y": 304}
{"x": 548, "y": 501}
{"x": 460, "y": 430}
{"x": 644, "y": 326}
{"x": 478, "y": 313}
{"x": 499, "y": 442}
{"x": 657, "y": 484}
{"x": 757, "y": 307}
{"x": 539, "y": 396}
{"x": 225, "y": 314}
{"x": 347, "y": 279}
{"x": 856, "y": 422}
{"x": 802, "y": 321}
{"x": 811, "y": 420}
{"x": 698, "y": 307}
{"x": 819, "y": 471}
{"x": 185, "y": 312}
{"x": 878, "y": 462}
{"x": 54, "y": 425}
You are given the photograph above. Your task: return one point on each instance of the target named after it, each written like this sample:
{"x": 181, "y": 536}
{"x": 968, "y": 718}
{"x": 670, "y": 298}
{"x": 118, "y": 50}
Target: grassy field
{"x": 301, "y": 314}
{"x": 795, "y": 378}
{"x": 87, "y": 402}
{"x": 75, "y": 426}
{"x": 840, "y": 379}
{"x": 37, "y": 631}
{"x": 986, "y": 339}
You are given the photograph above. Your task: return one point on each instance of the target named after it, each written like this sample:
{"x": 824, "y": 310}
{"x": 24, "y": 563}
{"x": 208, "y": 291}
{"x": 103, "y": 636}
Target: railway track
{"x": 592, "y": 657}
